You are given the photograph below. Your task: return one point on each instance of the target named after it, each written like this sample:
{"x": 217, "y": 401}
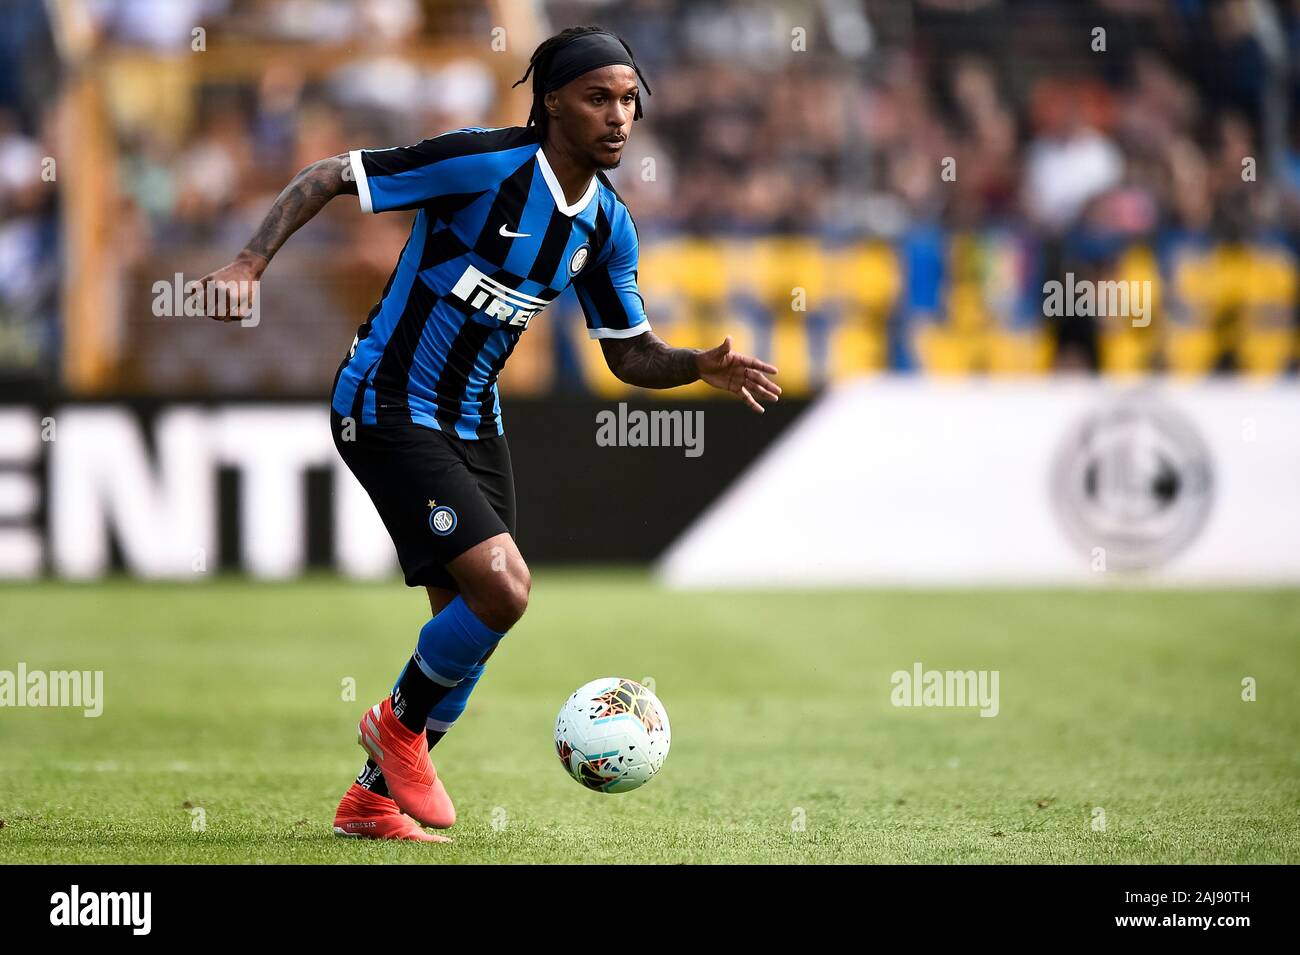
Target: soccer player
{"x": 505, "y": 220}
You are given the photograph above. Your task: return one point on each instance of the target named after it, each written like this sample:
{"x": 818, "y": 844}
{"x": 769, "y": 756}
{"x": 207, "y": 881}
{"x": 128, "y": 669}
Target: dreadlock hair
{"x": 539, "y": 65}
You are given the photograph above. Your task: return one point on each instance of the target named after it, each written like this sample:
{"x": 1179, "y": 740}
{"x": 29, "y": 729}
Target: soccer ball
{"x": 612, "y": 735}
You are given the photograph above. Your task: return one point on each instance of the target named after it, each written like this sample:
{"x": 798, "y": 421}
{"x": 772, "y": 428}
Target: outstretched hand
{"x": 740, "y": 374}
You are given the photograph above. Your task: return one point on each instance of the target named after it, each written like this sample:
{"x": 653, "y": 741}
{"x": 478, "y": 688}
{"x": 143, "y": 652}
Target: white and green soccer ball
{"x": 612, "y": 735}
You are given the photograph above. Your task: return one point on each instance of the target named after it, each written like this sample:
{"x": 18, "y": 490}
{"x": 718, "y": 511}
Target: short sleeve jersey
{"x": 493, "y": 242}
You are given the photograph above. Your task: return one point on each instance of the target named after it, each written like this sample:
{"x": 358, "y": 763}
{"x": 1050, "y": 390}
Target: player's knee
{"x": 514, "y": 594}
{"x": 516, "y": 602}
{"x": 502, "y": 600}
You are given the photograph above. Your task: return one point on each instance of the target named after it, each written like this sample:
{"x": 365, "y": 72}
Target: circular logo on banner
{"x": 1134, "y": 479}
{"x": 579, "y": 260}
{"x": 442, "y": 520}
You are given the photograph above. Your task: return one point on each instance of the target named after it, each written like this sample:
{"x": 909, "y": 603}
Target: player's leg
{"x": 449, "y": 709}
{"x": 487, "y": 573}
{"x": 499, "y": 561}
{"x": 444, "y": 713}
{"x": 367, "y": 809}
{"x": 434, "y": 510}
{"x": 493, "y": 583}
{"x": 370, "y": 778}
{"x": 439, "y": 597}
{"x": 486, "y": 599}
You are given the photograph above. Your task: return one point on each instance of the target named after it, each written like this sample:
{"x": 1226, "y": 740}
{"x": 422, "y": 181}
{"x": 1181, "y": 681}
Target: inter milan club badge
{"x": 442, "y": 519}
{"x": 579, "y": 260}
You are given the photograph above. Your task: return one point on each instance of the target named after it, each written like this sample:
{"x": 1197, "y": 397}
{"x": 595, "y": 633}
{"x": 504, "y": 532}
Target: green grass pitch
{"x": 228, "y": 697}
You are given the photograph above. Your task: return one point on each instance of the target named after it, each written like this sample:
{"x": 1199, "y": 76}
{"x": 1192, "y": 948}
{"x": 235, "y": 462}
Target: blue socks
{"x": 426, "y": 694}
{"x": 447, "y": 710}
{"x": 450, "y": 647}
{"x": 452, "y": 643}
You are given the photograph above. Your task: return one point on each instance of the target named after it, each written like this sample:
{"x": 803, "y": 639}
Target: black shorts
{"x": 437, "y": 493}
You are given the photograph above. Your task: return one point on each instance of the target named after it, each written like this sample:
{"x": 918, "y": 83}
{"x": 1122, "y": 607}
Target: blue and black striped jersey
{"x": 493, "y": 242}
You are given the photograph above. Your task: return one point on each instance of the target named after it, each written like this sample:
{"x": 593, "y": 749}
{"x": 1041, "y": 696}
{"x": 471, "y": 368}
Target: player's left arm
{"x": 607, "y": 291}
{"x": 647, "y": 361}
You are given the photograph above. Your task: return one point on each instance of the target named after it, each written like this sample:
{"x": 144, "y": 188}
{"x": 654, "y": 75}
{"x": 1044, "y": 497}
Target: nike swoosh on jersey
{"x": 514, "y": 235}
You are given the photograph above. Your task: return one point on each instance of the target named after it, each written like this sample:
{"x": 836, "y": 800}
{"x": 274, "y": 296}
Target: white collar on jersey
{"x": 557, "y": 193}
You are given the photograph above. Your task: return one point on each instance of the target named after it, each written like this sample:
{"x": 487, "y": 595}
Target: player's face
{"x": 593, "y": 114}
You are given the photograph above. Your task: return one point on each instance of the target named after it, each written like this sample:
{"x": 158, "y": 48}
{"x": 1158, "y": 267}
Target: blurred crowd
{"x": 972, "y": 149}
{"x": 29, "y": 234}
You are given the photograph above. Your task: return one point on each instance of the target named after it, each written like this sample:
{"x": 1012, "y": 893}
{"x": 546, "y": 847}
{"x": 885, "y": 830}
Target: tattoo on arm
{"x": 305, "y": 196}
{"x": 647, "y": 361}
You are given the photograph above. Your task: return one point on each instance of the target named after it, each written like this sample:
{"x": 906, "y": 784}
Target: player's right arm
{"x": 461, "y": 162}
{"x": 305, "y": 196}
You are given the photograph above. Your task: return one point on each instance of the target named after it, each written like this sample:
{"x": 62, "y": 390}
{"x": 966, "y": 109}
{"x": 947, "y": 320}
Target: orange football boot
{"x": 403, "y": 756}
{"x": 366, "y": 815}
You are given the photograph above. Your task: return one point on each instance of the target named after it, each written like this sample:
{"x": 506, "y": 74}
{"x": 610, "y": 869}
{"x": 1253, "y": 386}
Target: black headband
{"x": 582, "y": 54}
